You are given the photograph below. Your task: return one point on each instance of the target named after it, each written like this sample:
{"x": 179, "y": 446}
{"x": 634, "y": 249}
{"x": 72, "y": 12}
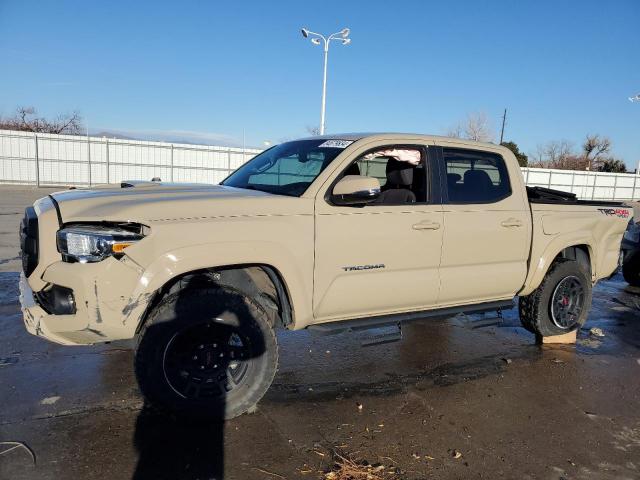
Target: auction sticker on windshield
{"x": 336, "y": 143}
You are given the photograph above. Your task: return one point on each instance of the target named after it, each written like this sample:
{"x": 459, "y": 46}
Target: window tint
{"x": 475, "y": 177}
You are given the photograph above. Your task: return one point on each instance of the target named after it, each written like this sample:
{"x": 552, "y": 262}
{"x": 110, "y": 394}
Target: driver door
{"x": 382, "y": 257}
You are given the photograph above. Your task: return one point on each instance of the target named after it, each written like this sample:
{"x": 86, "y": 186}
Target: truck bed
{"x": 550, "y": 196}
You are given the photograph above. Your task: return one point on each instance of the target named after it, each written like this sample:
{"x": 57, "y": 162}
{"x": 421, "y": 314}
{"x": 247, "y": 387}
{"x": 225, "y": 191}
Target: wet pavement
{"x": 477, "y": 385}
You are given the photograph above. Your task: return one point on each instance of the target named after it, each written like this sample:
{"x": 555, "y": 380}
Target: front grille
{"x": 29, "y": 241}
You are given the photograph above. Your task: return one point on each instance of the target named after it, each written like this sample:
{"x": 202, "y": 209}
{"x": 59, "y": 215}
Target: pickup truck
{"x": 327, "y": 233}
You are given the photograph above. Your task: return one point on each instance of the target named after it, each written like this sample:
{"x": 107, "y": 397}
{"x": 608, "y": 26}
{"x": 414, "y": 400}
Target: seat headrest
{"x": 477, "y": 177}
{"x": 399, "y": 173}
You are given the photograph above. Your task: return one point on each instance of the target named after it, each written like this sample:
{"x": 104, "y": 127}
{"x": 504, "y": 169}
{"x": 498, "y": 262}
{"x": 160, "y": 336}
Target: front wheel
{"x": 207, "y": 353}
{"x": 561, "y": 303}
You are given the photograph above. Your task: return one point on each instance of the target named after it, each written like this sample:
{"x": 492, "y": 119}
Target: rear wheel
{"x": 209, "y": 353}
{"x": 561, "y": 303}
{"x": 631, "y": 269}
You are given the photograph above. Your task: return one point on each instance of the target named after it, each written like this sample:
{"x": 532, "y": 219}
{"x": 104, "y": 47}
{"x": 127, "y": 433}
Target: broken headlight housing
{"x": 87, "y": 243}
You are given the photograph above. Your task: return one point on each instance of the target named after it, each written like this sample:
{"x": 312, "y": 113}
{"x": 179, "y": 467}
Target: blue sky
{"x": 208, "y": 70}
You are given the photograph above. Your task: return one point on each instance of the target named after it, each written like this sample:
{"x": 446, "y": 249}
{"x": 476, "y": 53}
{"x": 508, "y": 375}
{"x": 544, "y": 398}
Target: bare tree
{"x": 595, "y": 148}
{"x": 570, "y": 162}
{"x": 594, "y": 155}
{"x": 455, "y": 131}
{"x": 555, "y": 154}
{"x": 559, "y": 151}
{"x": 476, "y": 127}
{"x": 25, "y": 119}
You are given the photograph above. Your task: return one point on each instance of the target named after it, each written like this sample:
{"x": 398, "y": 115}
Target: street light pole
{"x": 319, "y": 39}
{"x": 324, "y": 87}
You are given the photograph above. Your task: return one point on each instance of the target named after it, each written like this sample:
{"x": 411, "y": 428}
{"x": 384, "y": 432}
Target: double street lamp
{"x": 319, "y": 39}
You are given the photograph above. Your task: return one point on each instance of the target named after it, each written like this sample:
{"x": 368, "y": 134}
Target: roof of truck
{"x": 354, "y": 136}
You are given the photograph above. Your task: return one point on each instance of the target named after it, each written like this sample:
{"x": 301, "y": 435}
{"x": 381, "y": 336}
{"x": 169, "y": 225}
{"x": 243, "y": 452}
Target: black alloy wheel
{"x": 206, "y": 360}
{"x": 567, "y": 302}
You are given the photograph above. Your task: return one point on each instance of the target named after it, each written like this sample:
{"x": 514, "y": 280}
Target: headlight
{"x": 94, "y": 243}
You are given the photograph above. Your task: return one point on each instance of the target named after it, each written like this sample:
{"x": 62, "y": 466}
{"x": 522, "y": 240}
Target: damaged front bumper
{"x": 102, "y": 294}
{"x": 36, "y": 320}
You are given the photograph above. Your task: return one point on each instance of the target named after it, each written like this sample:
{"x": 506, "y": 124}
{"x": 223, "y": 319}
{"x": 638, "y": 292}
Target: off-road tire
{"x": 221, "y": 308}
{"x": 631, "y": 269}
{"x": 535, "y": 308}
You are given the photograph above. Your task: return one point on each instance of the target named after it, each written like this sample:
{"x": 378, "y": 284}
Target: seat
{"x": 477, "y": 184}
{"x": 454, "y": 187}
{"x": 397, "y": 190}
{"x": 453, "y": 178}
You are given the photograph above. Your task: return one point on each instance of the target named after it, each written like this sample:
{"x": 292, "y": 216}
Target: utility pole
{"x": 504, "y": 120}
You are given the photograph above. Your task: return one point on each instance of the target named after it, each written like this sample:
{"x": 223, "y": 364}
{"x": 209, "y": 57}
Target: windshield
{"x": 288, "y": 168}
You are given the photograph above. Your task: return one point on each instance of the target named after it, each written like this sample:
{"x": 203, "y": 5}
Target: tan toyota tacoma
{"x": 328, "y": 233}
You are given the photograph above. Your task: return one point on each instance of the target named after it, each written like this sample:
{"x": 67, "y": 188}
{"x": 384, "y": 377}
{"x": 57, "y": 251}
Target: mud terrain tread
{"x": 534, "y": 309}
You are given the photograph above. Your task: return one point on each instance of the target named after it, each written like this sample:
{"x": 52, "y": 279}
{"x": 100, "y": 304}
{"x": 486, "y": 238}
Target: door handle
{"x": 426, "y": 226}
{"x": 511, "y": 222}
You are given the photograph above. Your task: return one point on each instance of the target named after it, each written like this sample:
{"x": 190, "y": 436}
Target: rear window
{"x": 475, "y": 177}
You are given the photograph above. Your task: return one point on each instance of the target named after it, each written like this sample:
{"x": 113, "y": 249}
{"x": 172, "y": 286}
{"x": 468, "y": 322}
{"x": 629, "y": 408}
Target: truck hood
{"x": 166, "y": 202}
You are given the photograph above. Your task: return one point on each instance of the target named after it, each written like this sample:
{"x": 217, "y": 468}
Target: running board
{"x": 382, "y": 320}
{"x": 383, "y": 338}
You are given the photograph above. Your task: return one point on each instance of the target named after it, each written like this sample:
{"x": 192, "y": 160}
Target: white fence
{"x": 586, "y": 185}
{"x": 44, "y": 159}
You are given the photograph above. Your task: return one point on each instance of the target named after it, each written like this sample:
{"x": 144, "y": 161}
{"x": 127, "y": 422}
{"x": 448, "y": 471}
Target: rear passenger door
{"x": 486, "y": 238}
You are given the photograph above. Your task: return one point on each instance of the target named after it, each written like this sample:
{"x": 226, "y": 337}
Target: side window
{"x": 475, "y": 177}
{"x": 400, "y": 171}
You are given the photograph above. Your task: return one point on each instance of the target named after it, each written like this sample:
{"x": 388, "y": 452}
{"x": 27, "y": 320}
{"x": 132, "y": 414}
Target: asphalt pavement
{"x": 461, "y": 397}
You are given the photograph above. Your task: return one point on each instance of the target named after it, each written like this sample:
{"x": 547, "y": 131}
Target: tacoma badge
{"x": 363, "y": 267}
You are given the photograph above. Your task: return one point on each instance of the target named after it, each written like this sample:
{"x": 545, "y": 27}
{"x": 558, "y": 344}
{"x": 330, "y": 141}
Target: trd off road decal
{"x": 363, "y": 267}
{"x": 618, "y": 212}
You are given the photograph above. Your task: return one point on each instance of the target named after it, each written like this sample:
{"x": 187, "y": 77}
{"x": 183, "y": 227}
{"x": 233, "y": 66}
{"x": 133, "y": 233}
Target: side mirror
{"x": 355, "y": 190}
